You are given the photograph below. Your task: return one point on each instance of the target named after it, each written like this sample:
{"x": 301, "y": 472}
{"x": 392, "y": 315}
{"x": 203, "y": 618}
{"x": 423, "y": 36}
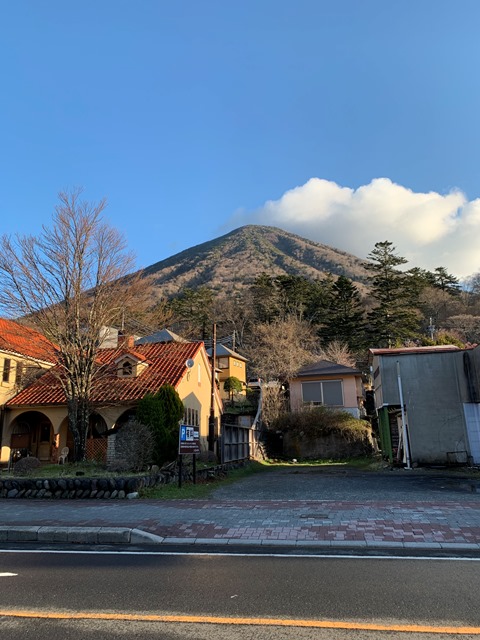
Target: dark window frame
{"x": 321, "y": 401}
{"x": 7, "y": 367}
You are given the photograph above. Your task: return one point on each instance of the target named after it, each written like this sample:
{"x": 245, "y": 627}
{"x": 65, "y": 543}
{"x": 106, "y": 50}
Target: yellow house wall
{"x": 195, "y": 392}
{"x": 236, "y": 368}
{"x": 8, "y": 388}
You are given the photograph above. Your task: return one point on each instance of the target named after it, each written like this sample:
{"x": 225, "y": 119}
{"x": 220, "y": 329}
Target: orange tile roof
{"x": 166, "y": 366}
{"x": 20, "y": 340}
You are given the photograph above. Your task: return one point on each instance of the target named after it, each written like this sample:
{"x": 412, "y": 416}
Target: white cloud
{"x": 429, "y": 229}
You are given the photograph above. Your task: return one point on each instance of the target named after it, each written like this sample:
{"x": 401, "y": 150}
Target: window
{"x": 191, "y": 417}
{"x": 19, "y": 373}
{"x": 127, "y": 369}
{"x": 222, "y": 363}
{"x": 312, "y": 392}
{"x": 326, "y": 392}
{"x": 7, "y": 365}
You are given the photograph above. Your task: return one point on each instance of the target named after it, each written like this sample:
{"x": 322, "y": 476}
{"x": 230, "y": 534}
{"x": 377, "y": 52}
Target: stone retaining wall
{"x": 105, "y": 488}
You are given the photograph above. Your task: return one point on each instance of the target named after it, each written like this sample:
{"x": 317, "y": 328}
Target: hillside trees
{"x": 393, "y": 318}
{"x": 465, "y": 325}
{"x": 345, "y": 320}
{"x": 69, "y": 282}
{"x": 193, "y": 310}
{"x": 448, "y": 287}
{"x": 392, "y": 306}
{"x": 265, "y": 298}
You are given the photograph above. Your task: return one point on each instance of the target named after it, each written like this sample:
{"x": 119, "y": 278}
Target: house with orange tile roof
{"x": 24, "y": 355}
{"x": 125, "y": 374}
{"x": 23, "y": 352}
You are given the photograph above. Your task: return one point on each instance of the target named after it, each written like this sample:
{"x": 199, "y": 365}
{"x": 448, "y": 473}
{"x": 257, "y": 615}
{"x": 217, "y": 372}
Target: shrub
{"x": 134, "y": 444}
{"x": 26, "y": 466}
{"x": 322, "y": 421}
{"x": 161, "y": 412}
{"x": 320, "y": 432}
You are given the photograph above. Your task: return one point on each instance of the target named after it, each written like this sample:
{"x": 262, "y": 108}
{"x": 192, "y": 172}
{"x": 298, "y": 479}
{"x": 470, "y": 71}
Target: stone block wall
{"x": 106, "y": 488}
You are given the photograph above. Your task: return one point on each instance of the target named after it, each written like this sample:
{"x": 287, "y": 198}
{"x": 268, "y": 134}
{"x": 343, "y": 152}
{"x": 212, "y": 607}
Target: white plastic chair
{"x": 62, "y": 458}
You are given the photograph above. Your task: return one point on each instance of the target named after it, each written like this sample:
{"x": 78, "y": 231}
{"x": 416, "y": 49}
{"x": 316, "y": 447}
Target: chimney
{"x": 126, "y": 340}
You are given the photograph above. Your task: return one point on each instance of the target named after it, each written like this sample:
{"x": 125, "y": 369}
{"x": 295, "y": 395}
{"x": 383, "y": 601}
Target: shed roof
{"x": 408, "y": 350}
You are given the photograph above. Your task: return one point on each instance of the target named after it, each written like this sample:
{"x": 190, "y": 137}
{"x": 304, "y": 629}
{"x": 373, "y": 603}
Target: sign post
{"x": 188, "y": 443}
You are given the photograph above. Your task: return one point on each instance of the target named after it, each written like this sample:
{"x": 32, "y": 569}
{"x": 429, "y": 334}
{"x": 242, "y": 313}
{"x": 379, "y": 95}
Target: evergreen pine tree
{"x": 395, "y": 317}
{"x": 161, "y": 412}
{"x": 345, "y": 322}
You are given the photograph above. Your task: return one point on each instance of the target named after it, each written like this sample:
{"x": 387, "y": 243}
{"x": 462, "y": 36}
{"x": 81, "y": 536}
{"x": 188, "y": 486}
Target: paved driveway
{"x": 327, "y": 483}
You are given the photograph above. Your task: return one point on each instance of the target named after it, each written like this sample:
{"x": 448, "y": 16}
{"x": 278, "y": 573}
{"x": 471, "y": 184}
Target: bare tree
{"x": 339, "y": 352}
{"x": 280, "y": 348}
{"x": 274, "y": 404}
{"x": 69, "y": 282}
{"x": 467, "y": 326}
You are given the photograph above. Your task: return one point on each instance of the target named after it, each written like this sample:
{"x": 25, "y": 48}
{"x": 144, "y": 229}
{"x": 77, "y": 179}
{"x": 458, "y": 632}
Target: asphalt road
{"x": 227, "y": 597}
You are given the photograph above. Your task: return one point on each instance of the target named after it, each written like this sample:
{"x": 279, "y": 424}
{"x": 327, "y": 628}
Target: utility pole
{"x": 211, "y": 420}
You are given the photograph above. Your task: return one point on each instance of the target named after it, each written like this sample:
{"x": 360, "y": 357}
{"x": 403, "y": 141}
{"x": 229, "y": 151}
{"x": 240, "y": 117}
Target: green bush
{"x": 232, "y": 385}
{"x": 322, "y": 421}
{"x": 26, "y": 466}
{"x": 134, "y": 447}
{"x": 161, "y": 412}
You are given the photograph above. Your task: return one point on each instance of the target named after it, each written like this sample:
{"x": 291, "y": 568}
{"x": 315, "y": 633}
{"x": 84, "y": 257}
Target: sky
{"x": 348, "y": 122}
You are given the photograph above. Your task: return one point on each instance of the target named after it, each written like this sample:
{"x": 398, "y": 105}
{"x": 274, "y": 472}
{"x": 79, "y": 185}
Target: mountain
{"x": 233, "y": 261}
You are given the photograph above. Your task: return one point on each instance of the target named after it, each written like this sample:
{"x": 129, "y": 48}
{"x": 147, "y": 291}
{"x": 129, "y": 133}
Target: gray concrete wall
{"x": 470, "y": 381}
{"x": 433, "y": 392}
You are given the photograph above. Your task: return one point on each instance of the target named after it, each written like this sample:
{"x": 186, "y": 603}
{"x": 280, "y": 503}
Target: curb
{"x": 78, "y": 535}
{"x": 126, "y": 535}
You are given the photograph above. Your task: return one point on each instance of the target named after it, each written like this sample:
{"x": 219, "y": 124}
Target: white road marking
{"x": 7, "y": 575}
{"x": 240, "y": 555}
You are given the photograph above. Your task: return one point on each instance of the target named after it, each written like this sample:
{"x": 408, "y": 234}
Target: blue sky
{"x": 346, "y": 121}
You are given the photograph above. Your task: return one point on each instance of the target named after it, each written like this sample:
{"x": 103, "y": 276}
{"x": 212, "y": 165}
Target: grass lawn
{"x": 71, "y": 470}
{"x": 202, "y": 489}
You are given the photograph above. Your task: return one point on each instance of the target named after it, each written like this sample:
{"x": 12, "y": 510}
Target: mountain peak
{"x": 233, "y": 261}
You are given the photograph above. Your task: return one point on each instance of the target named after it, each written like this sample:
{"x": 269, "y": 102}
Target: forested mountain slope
{"x": 233, "y": 261}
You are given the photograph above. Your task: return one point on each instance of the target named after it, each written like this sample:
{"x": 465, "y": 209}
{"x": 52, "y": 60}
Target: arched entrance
{"x": 126, "y": 416}
{"x": 97, "y": 442}
{"x": 32, "y": 435}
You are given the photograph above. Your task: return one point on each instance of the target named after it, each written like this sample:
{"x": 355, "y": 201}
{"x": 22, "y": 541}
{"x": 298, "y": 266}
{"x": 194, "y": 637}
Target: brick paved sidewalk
{"x": 405, "y": 524}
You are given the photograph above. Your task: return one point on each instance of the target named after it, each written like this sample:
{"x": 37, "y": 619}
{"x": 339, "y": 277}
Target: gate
{"x": 237, "y": 442}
